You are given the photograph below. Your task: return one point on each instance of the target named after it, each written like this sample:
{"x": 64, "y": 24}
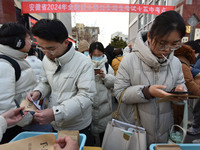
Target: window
{"x": 189, "y": 2}
{"x": 165, "y": 2}
{"x": 141, "y": 1}
{"x": 145, "y": 19}
{"x": 149, "y": 17}
{"x": 54, "y": 16}
{"x": 140, "y": 22}
{"x": 158, "y": 2}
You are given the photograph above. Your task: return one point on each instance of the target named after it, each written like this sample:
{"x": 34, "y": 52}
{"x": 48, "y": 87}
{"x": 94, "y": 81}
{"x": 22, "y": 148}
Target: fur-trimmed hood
{"x": 187, "y": 52}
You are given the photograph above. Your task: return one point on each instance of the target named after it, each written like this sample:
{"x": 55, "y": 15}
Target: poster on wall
{"x": 184, "y": 39}
{"x": 197, "y": 34}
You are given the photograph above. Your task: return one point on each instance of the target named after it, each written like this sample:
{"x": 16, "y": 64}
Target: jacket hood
{"x": 7, "y": 50}
{"x": 142, "y": 50}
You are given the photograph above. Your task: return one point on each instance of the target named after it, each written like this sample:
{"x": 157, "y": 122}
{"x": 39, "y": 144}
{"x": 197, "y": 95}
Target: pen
{"x": 21, "y": 112}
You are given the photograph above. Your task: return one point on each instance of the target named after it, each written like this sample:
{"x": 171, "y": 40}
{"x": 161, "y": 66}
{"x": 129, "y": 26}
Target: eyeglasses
{"x": 163, "y": 47}
{"x": 52, "y": 51}
{"x": 30, "y": 41}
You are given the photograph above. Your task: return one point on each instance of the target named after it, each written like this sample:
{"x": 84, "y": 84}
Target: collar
{"x": 62, "y": 60}
{"x": 7, "y": 50}
{"x": 145, "y": 54}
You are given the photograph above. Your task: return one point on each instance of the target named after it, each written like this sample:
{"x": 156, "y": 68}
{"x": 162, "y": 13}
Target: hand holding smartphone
{"x": 96, "y": 71}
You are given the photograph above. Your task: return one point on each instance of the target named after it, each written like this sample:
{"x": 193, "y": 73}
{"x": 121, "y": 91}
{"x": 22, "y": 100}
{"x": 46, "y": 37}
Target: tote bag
{"x": 123, "y": 136}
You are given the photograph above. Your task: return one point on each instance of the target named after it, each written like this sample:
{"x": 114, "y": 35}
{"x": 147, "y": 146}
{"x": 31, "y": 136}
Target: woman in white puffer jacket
{"x": 104, "y": 79}
{"x": 34, "y": 62}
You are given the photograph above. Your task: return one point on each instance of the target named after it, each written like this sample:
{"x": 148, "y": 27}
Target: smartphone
{"x": 177, "y": 92}
{"x": 97, "y": 70}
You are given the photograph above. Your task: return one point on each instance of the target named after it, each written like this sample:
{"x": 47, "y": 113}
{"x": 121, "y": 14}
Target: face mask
{"x": 86, "y": 53}
{"x": 97, "y": 58}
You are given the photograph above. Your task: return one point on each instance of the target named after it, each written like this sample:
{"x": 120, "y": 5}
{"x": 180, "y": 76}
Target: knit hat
{"x": 83, "y": 46}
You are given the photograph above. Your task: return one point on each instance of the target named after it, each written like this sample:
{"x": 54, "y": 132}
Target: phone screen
{"x": 177, "y": 92}
{"x": 97, "y": 71}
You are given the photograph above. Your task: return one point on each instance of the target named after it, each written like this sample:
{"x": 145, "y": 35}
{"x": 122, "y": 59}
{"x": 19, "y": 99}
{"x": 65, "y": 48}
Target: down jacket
{"x": 35, "y": 64}
{"x": 3, "y": 126}
{"x": 102, "y": 104}
{"x": 71, "y": 89}
{"x": 140, "y": 69}
{"x": 9, "y": 88}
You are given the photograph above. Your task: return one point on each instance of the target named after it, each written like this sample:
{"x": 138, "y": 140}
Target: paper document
{"x": 168, "y": 98}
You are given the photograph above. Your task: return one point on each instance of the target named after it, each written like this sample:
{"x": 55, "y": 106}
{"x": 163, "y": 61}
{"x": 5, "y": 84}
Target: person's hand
{"x": 66, "y": 143}
{"x": 157, "y": 91}
{"x": 35, "y": 95}
{"x": 45, "y": 116}
{"x": 101, "y": 73}
{"x": 13, "y": 116}
{"x": 180, "y": 88}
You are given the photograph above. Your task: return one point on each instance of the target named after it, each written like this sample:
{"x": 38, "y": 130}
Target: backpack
{"x": 14, "y": 64}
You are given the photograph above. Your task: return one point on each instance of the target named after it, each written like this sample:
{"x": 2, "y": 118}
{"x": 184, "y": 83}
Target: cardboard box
{"x": 74, "y": 134}
{"x": 168, "y": 147}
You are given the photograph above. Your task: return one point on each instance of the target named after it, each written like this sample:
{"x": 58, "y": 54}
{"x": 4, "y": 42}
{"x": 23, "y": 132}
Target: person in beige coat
{"x": 148, "y": 72}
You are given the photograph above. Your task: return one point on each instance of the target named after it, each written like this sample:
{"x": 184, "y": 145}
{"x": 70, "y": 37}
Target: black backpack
{"x": 14, "y": 64}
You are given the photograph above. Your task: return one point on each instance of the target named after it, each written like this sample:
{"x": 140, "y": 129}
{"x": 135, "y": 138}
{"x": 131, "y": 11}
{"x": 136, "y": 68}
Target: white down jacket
{"x": 35, "y": 64}
{"x": 3, "y": 126}
{"x": 71, "y": 89}
{"x": 102, "y": 104}
{"x": 140, "y": 69}
{"x": 9, "y": 88}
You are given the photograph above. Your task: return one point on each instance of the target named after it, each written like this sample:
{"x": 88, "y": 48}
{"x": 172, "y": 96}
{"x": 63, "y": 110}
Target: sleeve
{"x": 3, "y": 126}
{"x": 197, "y": 64}
{"x": 115, "y": 65}
{"x": 133, "y": 93}
{"x": 195, "y": 71}
{"x": 7, "y": 83}
{"x": 109, "y": 78}
{"x": 82, "y": 100}
{"x": 43, "y": 85}
{"x": 7, "y": 86}
{"x": 191, "y": 82}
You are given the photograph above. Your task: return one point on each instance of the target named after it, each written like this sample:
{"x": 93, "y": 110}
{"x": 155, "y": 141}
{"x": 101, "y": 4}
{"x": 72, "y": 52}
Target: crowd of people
{"x": 79, "y": 86}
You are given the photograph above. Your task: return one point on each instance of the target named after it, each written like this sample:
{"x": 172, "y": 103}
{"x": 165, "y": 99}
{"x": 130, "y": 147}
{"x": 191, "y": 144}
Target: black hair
{"x": 10, "y": 32}
{"x": 117, "y": 51}
{"x": 165, "y": 23}
{"x": 194, "y": 44}
{"x": 96, "y": 45}
{"x": 50, "y": 30}
{"x": 32, "y": 51}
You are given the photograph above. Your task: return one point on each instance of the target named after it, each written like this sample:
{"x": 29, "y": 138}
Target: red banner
{"x": 59, "y": 7}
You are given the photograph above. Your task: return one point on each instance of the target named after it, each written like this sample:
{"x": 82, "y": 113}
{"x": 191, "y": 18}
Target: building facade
{"x": 139, "y": 22}
{"x": 82, "y": 32}
{"x": 25, "y": 18}
{"x": 190, "y": 11}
